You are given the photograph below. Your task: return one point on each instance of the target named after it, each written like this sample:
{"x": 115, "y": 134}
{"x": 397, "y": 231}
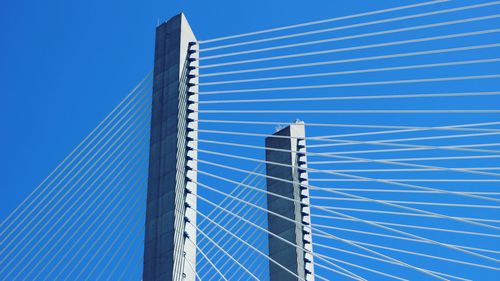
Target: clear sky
{"x": 65, "y": 64}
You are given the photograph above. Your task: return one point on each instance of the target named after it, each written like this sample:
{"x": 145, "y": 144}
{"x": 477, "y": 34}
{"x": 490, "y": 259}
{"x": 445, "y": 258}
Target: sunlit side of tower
{"x": 287, "y": 148}
{"x": 168, "y": 253}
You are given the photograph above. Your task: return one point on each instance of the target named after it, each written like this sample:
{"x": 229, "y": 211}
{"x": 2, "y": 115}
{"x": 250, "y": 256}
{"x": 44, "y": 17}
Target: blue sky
{"x": 65, "y": 65}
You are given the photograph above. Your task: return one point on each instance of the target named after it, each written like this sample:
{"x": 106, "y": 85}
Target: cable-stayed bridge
{"x": 357, "y": 147}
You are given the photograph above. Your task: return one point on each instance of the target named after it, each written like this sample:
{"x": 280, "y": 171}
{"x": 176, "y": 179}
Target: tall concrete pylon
{"x": 169, "y": 252}
{"x": 288, "y": 147}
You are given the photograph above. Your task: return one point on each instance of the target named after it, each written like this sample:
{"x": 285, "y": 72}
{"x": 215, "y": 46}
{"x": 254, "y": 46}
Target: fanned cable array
{"x": 396, "y": 170}
{"x": 227, "y": 248}
{"x": 400, "y": 107}
{"x": 85, "y": 221}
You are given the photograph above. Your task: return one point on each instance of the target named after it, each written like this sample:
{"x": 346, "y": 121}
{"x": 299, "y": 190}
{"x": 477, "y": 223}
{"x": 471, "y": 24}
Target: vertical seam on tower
{"x": 188, "y": 139}
{"x": 304, "y": 201}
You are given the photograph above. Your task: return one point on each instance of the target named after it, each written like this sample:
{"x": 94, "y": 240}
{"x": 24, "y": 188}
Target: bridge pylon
{"x": 170, "y": 235}
{"x": 287, "y": 148}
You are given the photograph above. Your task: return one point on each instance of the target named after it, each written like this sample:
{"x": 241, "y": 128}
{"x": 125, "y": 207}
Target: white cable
{"x": 91, "y": 137}
{"x": 22, "y": 222}
{"x": 411, "y": 147}
{"x": 347, "y": 189}
{"x": 321, "y": 21}
{"x": 225, "y": 215}
{"x": 333, "y": 270}
{"x": 420, "y": 238}
{"x": 407, "y": 180}
{"x": 140, "y": 265}
{"x": 401, "y": 238}
{"x": 222, "y": 249}
{"x": 206, "y": 258}
{"x": 136, "y": 253}
{"x": 439, "y": 128}
{"x": 375, "y": 201}
{"x": 353, "y": 26}
{"x": 405, "y": 191}
{"x": 320, "y": 277}
{"x": 340, "y": 142}
{"x": 110, "y": 117}
{"x": 82, "y": 235}
{"x": 409, "y": 170}
{"x": 327, "y": 234}
{"x": 327, "y": 209}
{"x": 364, "y": 210}
{"x": 227, "y": 241}
{"x": 249, "y": 237}
{"x": 361, "y": 47}
{"x": 338, "y": 174}
{"x": 138, "y": 239}
{"x": 338, "y": 85}
{"x": 362, "y": 111}
{"x": 404, "y": 96}
{"x": 89, "y": 206}
{"x": 428, "y": 256}
{"x": 419, "y": 165}
{"x": 349, "y": 142}
{"x": 420, "y": 147}
{"x": 46, "y": 213}
{"x": 348, "y": 72}
{"x": 231, "y": 201}
{"x": 419, "y": 227}
{"x": 233, "y": 208}
{"x": 126, "y": 229}
{"x": 409, "y": 202}
{"x": 382, "y": 260}
{"x": 258, "y": 207}
{"x": 462, "y": 126}
{"x": 350, "y": 60}
{"x": 253, "y": 262}
{"x": 251, "y": 246}
{"x": 358, "y": 266}
{"x": 70, "y": 260}
{"x": 283, "y": 197}
{"x": 239, "y": 185}
{"x": 315, "y": 53}
{"x": 46, "y": 204}
{"x": 334, "y": 154}
{"x": 111, "y": 235}
{"x": 267, "y": 231}
{"x": 247, "y": 177}
{"x": 384, "y": 142}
